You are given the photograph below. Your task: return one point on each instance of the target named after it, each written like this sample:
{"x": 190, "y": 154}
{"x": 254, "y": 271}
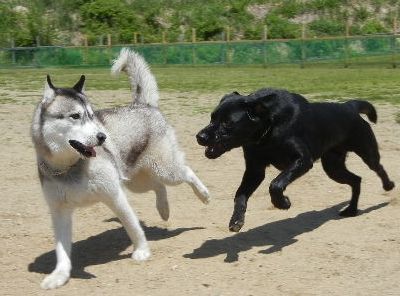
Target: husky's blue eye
{"x": 75, "y": 116}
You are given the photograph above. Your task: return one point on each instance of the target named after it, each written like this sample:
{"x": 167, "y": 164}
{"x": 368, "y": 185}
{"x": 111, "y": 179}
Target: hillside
{"x": 66, "y": 22}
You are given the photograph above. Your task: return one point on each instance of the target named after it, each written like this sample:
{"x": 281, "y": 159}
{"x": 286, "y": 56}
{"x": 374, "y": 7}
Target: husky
{"x": 86, "y": 156}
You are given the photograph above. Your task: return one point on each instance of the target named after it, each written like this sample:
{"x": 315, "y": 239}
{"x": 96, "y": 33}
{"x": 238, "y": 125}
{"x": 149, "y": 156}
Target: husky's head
{"x": 64, "y": 126}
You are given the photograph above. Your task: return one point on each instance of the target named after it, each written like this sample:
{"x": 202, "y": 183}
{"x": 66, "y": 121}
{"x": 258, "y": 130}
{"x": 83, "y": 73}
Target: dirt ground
{"x": 307, "y": 250}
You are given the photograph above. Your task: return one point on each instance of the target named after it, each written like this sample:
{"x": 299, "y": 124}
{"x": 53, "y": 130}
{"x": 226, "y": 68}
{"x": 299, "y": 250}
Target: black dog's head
{"x": 236, "y": 121}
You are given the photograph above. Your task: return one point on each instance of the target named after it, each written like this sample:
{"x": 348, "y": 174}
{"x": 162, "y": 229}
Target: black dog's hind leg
{"x": 333, "y": 163}
{"x": 368, "y": 151}
{"x": 252, "y": 178}
{"x": 299, "y": 167}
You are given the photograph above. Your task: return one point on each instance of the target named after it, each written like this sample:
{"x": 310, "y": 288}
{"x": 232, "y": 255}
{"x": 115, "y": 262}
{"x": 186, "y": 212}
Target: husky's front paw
{"x": 55, "y": 280}
{"x": 141, "y": 254}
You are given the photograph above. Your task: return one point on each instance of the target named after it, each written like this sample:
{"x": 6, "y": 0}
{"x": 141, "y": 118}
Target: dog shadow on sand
{"x": 100, "y": 249}
{"x": 276, "y": 235}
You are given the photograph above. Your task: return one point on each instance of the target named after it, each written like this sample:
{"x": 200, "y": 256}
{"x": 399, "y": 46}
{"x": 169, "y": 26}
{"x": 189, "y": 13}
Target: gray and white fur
{"x": 85, "y": 157}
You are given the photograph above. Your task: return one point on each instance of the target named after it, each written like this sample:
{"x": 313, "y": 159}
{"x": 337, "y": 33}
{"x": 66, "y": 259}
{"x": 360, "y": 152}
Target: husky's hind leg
{"x": 183, "y": 174}
{"x": 198, "y": 187}
{"x": 162, "y": 201}
{"x": 166, "y": 164}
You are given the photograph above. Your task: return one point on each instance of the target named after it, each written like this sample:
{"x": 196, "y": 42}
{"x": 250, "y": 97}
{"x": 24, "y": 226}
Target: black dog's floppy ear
{"x": 230, "y": 95}
{"x": 258, "y": 108}
{"x": 79, "y": 86}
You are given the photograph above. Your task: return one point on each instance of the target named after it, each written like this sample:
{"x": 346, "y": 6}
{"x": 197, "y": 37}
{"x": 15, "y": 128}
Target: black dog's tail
{"x": 366, "y": 108}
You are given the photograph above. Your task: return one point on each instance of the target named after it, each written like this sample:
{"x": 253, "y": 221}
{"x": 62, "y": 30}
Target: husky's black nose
{"x": 202, "y": 138}
{"x": 101, "y": 137}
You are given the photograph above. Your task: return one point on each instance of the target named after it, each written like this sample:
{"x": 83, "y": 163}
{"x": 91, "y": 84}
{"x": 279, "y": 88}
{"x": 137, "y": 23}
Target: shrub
{"x": 327, "y": 27}
{"x": 279, "y": 27}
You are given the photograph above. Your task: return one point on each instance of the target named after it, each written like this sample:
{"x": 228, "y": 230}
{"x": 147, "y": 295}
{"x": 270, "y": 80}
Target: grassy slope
{"x": 320, "y": 83}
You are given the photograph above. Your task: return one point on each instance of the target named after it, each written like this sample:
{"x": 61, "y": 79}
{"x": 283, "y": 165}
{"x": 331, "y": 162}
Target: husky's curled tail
{"x": 143, "y": 84}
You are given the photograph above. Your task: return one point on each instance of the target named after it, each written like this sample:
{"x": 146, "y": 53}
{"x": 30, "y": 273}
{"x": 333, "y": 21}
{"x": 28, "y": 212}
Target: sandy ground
{"x": 307, "y": 250}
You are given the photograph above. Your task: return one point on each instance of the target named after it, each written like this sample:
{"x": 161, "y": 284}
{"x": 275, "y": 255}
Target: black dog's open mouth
{"x": 215, "y": 151}
{"x": 86, "y": 151}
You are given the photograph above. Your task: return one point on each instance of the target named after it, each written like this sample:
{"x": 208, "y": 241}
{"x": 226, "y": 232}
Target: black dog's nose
{"x": 202, "y": 139}
{"x": 101, "y": 137}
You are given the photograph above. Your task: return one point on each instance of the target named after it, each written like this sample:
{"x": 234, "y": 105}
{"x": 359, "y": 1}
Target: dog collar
{"x": 49, "y": 171}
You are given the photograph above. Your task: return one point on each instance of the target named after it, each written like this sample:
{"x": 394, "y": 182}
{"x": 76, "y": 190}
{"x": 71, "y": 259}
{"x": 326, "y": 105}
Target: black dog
{"x": 279, "y": 128}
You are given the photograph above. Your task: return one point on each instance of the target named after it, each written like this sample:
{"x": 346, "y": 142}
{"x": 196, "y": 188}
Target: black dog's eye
{"x": 75, "y": 116}
{"x": 227, "y": 124}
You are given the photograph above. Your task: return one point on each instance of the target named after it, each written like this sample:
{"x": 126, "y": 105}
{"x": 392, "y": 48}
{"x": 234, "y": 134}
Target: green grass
{"x": 327, "y": 82}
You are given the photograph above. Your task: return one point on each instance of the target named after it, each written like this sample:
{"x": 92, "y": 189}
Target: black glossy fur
{"x": 279, "y": 128}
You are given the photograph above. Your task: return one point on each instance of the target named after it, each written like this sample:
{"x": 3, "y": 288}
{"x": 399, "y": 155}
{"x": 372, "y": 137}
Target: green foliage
{"x": 108, "y": 16}
{"x": 279, "y": 27}
{"x": 328, "y": 27}
{"x": 208, "y": 21}
{"x": 290, "y": 8}
{"x": 326, "y": 4}
{"x": 53, "y": 21}
{"x": 361, "y": 14}
{"x": 373, "y": 27}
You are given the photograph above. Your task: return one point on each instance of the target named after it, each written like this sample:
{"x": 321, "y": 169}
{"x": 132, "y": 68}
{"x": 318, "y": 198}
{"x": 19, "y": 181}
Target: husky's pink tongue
{"x": 87, "y": 151}
{"x": 91, "y": 151}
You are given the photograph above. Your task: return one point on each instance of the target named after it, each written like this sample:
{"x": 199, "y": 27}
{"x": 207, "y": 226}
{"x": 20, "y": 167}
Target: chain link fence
{"x": 346, "y": 50}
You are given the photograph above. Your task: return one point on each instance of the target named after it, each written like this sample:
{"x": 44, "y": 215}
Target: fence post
{"x": 164, "y": 48}
{"x": 394, "y": 45}
{"x": 35, "y": 53}
{"x": 265, "y": 36}
{"x": 193, "y": 46}
{"x": 228, "y": 49}
{"x": 109, "y": 51}
{"x": 13, "y": 58}
{"x": 346, "y": 45}
{"x": 303, "y": 49}
{"x": 86, "y": 50}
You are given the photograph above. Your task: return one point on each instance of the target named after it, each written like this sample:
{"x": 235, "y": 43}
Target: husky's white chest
{"x": 86, "y": 183}
{"x": 94, "y": 183}
{"x": 76, "y": 193}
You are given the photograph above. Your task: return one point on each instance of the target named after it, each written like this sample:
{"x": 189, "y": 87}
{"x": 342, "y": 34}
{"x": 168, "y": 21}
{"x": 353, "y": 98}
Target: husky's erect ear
{"x": 48, "y": 80}
{"x": 79, "y": 86}
{"x": 49, "y": 91}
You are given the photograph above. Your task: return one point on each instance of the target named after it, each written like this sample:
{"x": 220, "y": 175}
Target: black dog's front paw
{"x": 388, "y": 186}
{"x": 236, "y": 223}
{"x": 348, "y": 212}
{"x": 281, "y": 203}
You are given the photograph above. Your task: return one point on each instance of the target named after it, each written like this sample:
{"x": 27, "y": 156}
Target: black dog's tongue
{"x": 86, "y": 151}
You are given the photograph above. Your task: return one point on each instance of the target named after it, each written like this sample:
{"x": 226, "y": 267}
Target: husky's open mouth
{"x": 86, "y": 151}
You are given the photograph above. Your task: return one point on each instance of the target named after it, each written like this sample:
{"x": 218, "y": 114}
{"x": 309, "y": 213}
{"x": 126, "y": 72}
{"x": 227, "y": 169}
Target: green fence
{"x": 294, "y": 51}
